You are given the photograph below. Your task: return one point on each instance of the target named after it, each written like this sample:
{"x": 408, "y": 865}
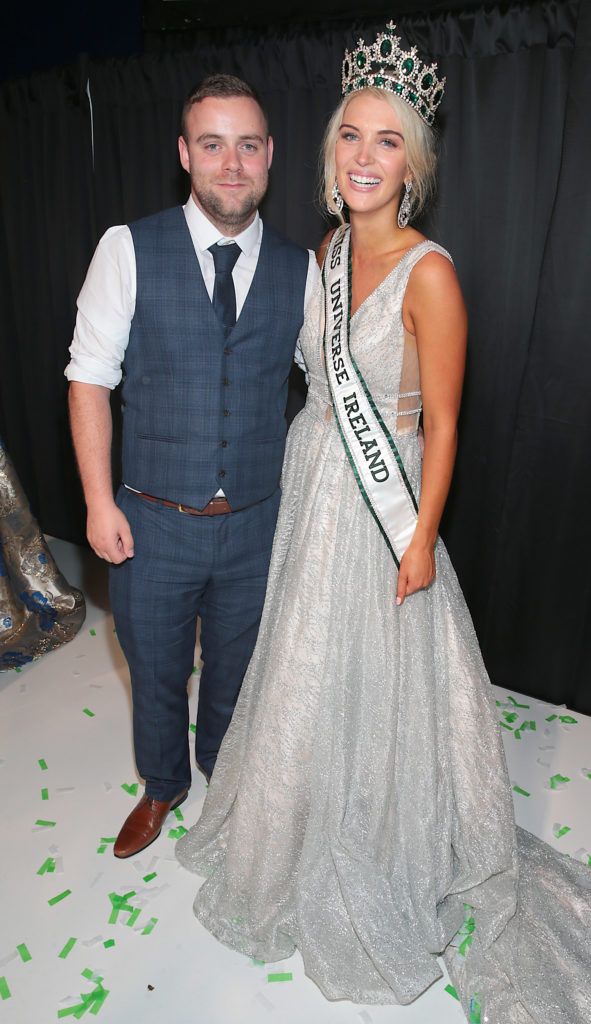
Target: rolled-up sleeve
{"x": 106, "y": 305}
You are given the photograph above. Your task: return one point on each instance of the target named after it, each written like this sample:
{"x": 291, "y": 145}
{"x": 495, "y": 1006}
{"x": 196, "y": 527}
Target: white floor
{"x": 67, "y": 782}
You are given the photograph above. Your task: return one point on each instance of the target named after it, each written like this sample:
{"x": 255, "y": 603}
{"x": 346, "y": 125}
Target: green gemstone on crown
{"x": 360, "y": 59}
{"x": 412, "y": 97}
{"x": 362, "y": 83}
{"x": 408, "y": 65}
{"x": 423, "y": 110}
{"x": 398, "y": 88}
{"x": 380, "y": 81}
{"x": 437, "y": 96}
{"x": 386, "y": 47}
{"x": 427, "y": 81}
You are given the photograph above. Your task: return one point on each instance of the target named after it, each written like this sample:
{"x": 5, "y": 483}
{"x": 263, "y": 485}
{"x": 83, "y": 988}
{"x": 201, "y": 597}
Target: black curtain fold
{"x": 95, "y": 144}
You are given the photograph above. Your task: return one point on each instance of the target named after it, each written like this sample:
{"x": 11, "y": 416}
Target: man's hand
{"x": 109, "y": 534}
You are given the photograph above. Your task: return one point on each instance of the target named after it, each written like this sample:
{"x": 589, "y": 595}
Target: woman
{"x": 360, "y": 808}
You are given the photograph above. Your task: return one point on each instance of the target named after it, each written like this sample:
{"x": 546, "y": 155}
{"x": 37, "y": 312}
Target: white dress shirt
{"x": 106, "y": 304}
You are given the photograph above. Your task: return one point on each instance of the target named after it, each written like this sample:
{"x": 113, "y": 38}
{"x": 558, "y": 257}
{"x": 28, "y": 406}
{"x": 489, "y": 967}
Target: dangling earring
{"x": 337, "y": 197}
{"x": 405, "y": 206}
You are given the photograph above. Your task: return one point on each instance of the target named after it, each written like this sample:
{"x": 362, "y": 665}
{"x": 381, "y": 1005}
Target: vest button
{"x": 226, "y": 412}
{"x": 227, "y": 351}
{"x": 225, "y": 382}
{"x": 224, "y": 444}
{"x": 222, "y": 472}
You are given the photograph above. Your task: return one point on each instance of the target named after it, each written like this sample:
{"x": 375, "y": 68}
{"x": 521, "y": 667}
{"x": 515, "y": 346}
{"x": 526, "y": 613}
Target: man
{"x": 204, "y": 308}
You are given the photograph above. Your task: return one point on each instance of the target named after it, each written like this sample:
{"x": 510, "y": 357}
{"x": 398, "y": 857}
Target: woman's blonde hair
{"x": 421, "y": 151}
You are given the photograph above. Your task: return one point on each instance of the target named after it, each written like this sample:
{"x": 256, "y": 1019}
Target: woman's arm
{"x": 434, "y": 311}
{"x": 321, "y": 251}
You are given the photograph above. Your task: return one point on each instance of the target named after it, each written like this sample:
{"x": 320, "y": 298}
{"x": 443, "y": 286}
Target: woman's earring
{"x": 405, "y": 206}
{"x": 337, "y": 197}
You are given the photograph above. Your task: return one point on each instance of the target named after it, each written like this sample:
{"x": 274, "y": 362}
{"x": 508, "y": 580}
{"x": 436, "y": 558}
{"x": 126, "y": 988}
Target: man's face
{"x": 227, "y": 154}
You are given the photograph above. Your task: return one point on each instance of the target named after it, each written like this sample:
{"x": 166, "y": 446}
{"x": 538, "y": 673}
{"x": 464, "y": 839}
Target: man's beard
{"x": 232, "y": 215}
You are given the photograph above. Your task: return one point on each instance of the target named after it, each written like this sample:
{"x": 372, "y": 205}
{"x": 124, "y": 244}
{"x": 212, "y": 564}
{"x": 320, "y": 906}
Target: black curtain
{"x": 95, "y": 144}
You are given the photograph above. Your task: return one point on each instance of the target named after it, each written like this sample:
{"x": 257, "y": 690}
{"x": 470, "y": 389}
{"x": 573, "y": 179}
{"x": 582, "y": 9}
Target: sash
{"x": 370, "y": 448}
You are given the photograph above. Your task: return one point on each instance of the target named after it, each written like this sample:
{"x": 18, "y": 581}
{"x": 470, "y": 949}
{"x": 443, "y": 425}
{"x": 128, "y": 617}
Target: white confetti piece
{"x": 99, "y": 876}
{"x": 365, "y": 1017}
{"x": 264, "y": 1002}
{"x": 13, "y": 955}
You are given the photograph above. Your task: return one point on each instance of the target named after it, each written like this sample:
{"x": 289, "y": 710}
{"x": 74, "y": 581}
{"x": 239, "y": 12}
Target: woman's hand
{"x": 417, "y": 570}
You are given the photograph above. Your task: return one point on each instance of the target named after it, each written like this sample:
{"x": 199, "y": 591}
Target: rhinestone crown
{"x": 385, "y": 65}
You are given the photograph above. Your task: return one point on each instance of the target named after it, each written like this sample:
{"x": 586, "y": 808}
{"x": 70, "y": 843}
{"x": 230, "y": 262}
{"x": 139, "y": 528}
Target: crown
{"x": 385, "y": 65}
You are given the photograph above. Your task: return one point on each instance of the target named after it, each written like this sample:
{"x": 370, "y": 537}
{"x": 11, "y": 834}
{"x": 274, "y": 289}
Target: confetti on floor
{"x": 87, "y": 936}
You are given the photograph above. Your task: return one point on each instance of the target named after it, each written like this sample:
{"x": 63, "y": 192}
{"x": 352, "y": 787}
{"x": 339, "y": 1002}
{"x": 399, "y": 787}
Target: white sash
{"x": 370, "y": 448}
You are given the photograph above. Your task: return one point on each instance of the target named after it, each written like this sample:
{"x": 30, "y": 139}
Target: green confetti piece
{"x": 510, "y": 716}
{"x": 193, "y": 728}
{"x": 47, "y": 866}
{"x": 17, "y": 670}
{"x": 178, "y": 814}
{"x": 88, "y": 712}
{"x": 92, "y": 1001}
{"x": 109, "y": 943}
{"x": 108, "y": 839}
{"x": 69, "y": 946}
{"x": 45, "y": 794}
{"x": 60, "y": 896}
{"x": 45, "y": 824}
{"x": 195, "y": 670}
{"x": 4, "y": 989}
{"x": 148, "y": 878}
{"x": 559, "y": 832}
{"x": 558, "y": 780}
{"x": 24, "y": 953}
{"x": 133, "y": 916}
{"x": 474, "y": 1010}
{"x": 42, "y": 764}
{"x": 522, "y": 792}
{"x": 515, "y": 704}
{"x": 150, "y": 926}
{"x": 101, "y": 849}
{"x": 452, "y": 991}
{"x": 130, "y": 787}
{"x": 523, "y": 727}
{"x": 505, "y": 726}
{"x": 286, "y": 976}
{"x": 87, "y": 973}
{"x": 568, "y": 720}
{"x": 177, "y": 833}
{"x": 257, "y": 963}
{"x": 551, "y": 718}
{"x": 120, "y": 903}
{"x": 92, "y": 632}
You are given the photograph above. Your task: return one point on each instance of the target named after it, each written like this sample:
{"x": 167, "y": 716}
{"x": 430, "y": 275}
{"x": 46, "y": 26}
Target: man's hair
{"x": 220, "y": 87}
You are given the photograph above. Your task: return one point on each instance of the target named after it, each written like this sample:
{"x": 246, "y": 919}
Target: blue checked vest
{"x": 201, "y": 412}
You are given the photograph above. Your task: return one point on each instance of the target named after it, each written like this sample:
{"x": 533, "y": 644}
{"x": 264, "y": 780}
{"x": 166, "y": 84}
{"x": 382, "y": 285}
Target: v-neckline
{"x": 384, "y": 279}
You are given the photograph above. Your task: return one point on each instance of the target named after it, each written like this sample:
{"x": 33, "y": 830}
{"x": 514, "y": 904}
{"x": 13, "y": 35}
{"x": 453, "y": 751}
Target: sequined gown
{"x": 360, "y": 808}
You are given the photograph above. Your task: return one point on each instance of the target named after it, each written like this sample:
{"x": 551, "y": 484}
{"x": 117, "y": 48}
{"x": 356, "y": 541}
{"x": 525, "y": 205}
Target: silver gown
{"x": 360, "y": 809}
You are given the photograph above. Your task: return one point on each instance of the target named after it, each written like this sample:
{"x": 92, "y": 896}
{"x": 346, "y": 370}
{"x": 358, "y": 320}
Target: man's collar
{"x": 205, "y": 234}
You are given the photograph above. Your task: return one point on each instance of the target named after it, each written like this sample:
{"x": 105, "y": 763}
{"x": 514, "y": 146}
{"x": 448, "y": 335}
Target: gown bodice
{"x": 385, "y": 352}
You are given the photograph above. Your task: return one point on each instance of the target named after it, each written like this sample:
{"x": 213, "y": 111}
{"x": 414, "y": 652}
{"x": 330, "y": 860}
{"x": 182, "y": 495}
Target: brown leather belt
{"x": 216, "y": 507}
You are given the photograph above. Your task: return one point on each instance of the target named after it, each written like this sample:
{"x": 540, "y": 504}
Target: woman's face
{"x": 370, "y": 155}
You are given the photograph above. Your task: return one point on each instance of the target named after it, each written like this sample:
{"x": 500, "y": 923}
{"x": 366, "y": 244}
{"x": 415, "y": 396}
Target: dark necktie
{"x": 224, "y": 296}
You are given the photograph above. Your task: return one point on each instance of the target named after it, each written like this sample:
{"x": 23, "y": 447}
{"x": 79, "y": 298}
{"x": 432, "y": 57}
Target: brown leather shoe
{"x": 144, "y": 824}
